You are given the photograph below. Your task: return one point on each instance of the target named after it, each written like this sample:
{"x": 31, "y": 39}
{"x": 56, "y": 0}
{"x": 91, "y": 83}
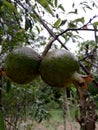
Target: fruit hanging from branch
{"x": 59, "y": 68}
{"x": 22, "y": 65}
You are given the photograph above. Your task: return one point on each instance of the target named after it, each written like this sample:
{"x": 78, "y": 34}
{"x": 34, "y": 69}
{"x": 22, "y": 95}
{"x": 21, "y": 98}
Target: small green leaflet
{"x": 95, "y": 24}
{"x": 56, "y": 3}
{"x": 61, "y": 7}
{"x": 10, "y": 5}
{"x": 82, "y": 20}
{"x": 28, "y": 24}
{"x": 45, "y": 4}
{"x": 57, "y": 23}
{"x": 2, "y": 124}
{"x": 75, "y": 11}
{"x": 38, "y": 29}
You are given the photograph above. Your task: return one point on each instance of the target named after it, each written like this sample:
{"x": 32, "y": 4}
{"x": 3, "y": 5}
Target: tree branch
{"x": 82, "y": 28}
{"x": 76, "y": 29}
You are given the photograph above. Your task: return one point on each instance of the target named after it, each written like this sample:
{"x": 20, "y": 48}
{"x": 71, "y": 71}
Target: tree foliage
{"x": 21, "y": 21}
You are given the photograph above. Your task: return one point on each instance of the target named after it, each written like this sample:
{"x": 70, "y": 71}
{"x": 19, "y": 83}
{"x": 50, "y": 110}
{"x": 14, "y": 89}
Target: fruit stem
{"x": 78, "y": 78}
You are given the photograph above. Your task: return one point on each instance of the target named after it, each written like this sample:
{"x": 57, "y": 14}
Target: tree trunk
{"x": 64, "y": 108}
{"x": 88, "y": 116}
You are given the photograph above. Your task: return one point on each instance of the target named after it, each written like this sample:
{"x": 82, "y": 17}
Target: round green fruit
{"x": 22, "y": 65}
{"x": 59, "y": 67}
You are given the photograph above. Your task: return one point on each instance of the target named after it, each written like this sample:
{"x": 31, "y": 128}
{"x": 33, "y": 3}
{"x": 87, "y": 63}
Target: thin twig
{"x": 82, "y": 28}
{"x": 76, "y": 29}
{"x": 48, "y": 47}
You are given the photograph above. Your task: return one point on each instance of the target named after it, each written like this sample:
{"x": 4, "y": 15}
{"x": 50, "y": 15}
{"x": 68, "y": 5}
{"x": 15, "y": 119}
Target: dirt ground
{"x": 72, "y": 126}
{"x": 60, "y": 127}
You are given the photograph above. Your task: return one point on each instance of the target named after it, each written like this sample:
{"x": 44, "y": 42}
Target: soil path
{"x": 75, "y": 126}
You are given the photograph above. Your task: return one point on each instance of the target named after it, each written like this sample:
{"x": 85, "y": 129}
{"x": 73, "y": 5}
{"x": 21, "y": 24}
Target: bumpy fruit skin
{"x": 58, "y": 66}
{"x": 22, "y": 65}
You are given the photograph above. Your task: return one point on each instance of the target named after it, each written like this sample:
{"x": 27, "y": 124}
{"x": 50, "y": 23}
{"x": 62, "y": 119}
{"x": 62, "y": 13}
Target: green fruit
{"x": 58, "y": 67}
{"x": 22, "y": 65}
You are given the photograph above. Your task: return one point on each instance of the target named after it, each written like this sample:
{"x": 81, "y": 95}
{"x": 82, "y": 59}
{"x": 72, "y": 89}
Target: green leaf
{"x": 56, "y": 3}
{"x": 73, "y": 4}
{"x": 38, "y": 29}
{"x": 73, "y": 12}
{"x": 63, "y": 22}
{"x": 82, "y": 20}
{"x": 94, "y": 5}
{"x": 35, "y": 18}
{"x": 45, "y": 4}
{"x": 72, "y": 25}
{"x": 2, "y": 123}
{"x": 85, "y": 5}
{"x": 10, "y": 5}
{"x": 61, "y": 7}
{"x": 57, "y": 23}
{"x": 95, "y": 24}
{"x": 28, "y": 24}
{"x": 88, "y": 7}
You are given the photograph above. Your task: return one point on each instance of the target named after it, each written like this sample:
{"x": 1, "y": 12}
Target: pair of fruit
{"x": 58, "y": 68}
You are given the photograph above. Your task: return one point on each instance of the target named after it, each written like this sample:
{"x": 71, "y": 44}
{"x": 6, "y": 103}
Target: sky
{"x": 87, "y": 15}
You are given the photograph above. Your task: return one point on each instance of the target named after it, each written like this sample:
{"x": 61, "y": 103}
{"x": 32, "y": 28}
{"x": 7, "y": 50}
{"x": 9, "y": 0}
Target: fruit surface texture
{"x": 58, "y": 67}
{"x": 22, "y": 65}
